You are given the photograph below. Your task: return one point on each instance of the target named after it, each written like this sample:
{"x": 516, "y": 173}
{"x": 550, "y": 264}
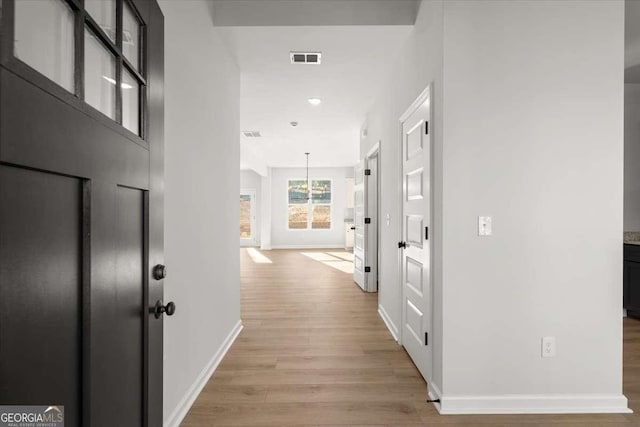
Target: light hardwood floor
{"x": 314, "y": 352}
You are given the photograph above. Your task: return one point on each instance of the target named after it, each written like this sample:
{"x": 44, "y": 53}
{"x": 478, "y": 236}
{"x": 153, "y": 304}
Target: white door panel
{"x": 371, "y": 232}
{"x": 359, "y": 207}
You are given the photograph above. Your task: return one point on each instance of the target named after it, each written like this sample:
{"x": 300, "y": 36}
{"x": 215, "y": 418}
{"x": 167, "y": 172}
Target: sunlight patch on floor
{"x": 347, "y": 256}
{"x": 319, "y": 256}
{"x": 344, "y": 266}
{"x": 342, "y": 261}
{"x": 257, "y": 257}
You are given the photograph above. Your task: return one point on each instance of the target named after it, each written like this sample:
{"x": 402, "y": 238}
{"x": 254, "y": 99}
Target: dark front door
{"x": 81, "y": 149}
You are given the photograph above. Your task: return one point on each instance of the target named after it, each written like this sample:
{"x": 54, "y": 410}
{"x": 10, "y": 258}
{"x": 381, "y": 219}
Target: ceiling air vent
{"x": 251, "y": 134}
{"x": 312, "y": 58}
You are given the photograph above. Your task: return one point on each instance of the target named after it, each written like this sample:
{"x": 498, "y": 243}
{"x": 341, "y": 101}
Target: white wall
{"x": 202, "y": 90}
{"x": 281, "y": 236}
{"x": 419, "y": 63}
{"x": 517, "y": 137}
{"x": 522, "y": 143}
{"x": 632, "y": 157}
{"x": 250, "y": 160}
{"x": 250, "y": 180}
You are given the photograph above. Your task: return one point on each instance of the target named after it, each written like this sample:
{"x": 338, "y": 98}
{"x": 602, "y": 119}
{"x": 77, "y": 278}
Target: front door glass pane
{"x": 130, "y": 102}
{"x": 104, "y": 13}
{"x": 44, "y": 39}
{"x": 99, "y": 75}
{"x": 131, "y": 36}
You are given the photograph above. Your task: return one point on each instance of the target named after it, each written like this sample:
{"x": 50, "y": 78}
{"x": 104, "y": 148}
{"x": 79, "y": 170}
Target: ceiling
{"x": 356, "y": 60}
{"x": 264, "y": 13}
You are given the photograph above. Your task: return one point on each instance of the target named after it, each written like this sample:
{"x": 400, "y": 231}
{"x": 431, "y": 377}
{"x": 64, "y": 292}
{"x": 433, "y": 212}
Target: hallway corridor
{"x": 315, "y": 352}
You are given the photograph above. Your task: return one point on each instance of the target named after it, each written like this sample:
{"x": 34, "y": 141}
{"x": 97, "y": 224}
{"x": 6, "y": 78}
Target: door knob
{"x": 402, "y": 245}
{"x": 159, "y": 272}
{"x": 160, "y": 309}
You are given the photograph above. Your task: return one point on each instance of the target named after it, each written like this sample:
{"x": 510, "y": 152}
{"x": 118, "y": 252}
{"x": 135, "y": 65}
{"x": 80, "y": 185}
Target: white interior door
{"x": 359, "y": 213}
{"x": 371, "y": 236}
{"x": 416, "y": 219}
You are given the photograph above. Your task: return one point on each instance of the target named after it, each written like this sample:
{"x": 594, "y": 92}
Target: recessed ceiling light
{"x": 314, "y": 101}
{"x": 294, "y": 124}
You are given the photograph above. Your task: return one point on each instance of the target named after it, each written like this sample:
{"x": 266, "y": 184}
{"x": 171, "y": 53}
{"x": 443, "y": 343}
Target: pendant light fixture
{"x": 308, "y": 188}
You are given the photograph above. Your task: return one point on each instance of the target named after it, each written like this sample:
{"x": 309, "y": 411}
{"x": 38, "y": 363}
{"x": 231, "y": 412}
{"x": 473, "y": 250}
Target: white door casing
{"x": 359, "y": 213}
{"x": 417, "y": 297}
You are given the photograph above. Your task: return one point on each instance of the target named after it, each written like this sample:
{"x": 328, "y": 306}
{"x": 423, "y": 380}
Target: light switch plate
{"x": 484, "y": 226}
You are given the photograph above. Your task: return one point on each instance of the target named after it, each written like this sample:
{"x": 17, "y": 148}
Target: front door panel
{"x": 118, "y": 307}
{"x": 81, "y": 210}
{"x": 41, "y": 290}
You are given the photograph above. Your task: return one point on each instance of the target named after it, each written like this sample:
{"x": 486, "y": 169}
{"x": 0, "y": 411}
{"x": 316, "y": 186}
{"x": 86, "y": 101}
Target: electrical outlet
{"x": 548, "y": 346}
{"x": 484, "y": 226}
{"x": 388, "y": 218}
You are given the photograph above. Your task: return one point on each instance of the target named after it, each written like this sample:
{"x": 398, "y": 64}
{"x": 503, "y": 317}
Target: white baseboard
{"x": 534, "y": 404}
{"x": 387, "y": 321}
{"x": 434, "y": 394}
{"x": 340, "y": 246}
{"x": 192, "y": 394}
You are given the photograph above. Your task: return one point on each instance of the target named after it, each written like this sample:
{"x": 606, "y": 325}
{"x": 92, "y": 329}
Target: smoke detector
{"x": 311, "y": 58}
{"x": 251, "y": 134}
{"x": 293, "y": 124}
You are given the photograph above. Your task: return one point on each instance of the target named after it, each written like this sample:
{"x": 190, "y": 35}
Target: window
{"x": 321, "y": 204}
{"x": 247, "y": 214}
{"x": 309, "y": 210}
{"x": 110, "y": 51}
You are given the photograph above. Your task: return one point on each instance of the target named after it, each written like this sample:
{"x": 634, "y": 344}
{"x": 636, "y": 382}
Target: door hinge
{"x": 367, "y": 269}
{"x": 367, "y": 172}
{"x": 367, "y": 220}
{"x": 426, "y": 128}
{"x": 426, "y": 338}
{"x": 426, "y": 233}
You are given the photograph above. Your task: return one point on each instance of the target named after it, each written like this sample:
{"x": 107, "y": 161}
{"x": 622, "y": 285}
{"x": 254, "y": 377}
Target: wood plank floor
{"x": 315, "y": 353}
